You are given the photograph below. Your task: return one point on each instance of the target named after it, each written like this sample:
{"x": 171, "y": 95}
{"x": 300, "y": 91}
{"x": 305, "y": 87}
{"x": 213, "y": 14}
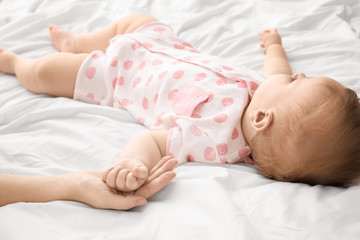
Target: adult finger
{"x": 169, "y": 165}
{"x": 105, "y": 174}
{"x": 149, "y": 189}
{"x": 159, "y": 164}
{"x": 120, "y": 202}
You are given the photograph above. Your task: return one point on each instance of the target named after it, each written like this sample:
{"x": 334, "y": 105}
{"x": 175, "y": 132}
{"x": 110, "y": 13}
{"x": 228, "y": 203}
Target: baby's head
{"x": 305, "y": 130}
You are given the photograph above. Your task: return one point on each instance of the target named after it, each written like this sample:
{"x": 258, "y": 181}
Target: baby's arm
{"x": 140, "y": 155}
{"x": 276, "y": 61}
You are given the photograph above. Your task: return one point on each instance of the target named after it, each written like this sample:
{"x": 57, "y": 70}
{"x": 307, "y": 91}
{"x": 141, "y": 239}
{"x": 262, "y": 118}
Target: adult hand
{"x": 92, "y": 190}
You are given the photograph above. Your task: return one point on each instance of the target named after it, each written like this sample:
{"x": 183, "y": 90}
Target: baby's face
{"x": 291, "y": 90}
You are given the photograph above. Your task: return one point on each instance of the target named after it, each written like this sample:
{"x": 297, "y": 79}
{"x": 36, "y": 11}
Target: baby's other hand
{"x": 269, "y": 37}
{"x": 127, "y": 175}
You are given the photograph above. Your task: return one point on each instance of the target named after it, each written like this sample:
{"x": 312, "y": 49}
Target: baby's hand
{"x": 269, "y": 37}
{"x": 127, "y": 175}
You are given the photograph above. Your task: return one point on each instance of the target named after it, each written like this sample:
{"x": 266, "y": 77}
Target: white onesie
{"x": 167, "y": 84}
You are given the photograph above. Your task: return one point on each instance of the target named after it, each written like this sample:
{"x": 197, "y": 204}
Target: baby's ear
{"x": 261, "y": 119}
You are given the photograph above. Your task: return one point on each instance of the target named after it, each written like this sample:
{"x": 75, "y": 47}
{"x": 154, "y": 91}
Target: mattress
{"x": 43, "y": 135}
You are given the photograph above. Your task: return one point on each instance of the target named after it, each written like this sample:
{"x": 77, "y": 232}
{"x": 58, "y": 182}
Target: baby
{"x": 201, "y": 108}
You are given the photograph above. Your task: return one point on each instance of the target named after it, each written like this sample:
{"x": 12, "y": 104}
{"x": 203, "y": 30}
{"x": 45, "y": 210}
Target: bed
{"x": 42, "y": 135}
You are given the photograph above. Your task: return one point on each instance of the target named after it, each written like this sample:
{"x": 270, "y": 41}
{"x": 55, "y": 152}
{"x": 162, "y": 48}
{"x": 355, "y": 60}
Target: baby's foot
{"x": 62, "y": 40}
{"x": 7, "y": 61}
{"x": 126, "y": 176}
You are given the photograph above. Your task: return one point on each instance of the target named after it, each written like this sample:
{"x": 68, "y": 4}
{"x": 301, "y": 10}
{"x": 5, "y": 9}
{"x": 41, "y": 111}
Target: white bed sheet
{"x": 45, "y": 135}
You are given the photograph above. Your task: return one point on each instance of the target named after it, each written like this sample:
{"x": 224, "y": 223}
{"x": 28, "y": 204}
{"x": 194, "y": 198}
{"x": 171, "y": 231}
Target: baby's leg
{"x": 86, "y": 43}
{"x": 54, "y": 74}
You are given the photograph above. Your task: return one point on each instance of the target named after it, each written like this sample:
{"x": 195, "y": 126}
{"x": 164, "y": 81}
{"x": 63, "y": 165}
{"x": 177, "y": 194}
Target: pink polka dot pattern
{"x": 90, "y": 73}
{"x": 126, "y": 102}
{"x": 209, "y": 154}
{"x": 200, "y": 76}
{"x": 178, "y": 46}
{"x": 221, "y": 82}
{"x": 227, "y": 101}
{"x": 119, "y": 81}
{"x": 159, "y": 121}
{"x": 128, "y": 64}
{"x": 142, "y": 65}
{"x": 156, "y": 96}
{"x": 222, "y": 148}
{"x": 147, "y": 45}
{"x": 114, "y": 61}
{"x": 135, "y": 45}
{"x": 227, "y": 68}
{"x": 254, "y": 85}
{"x": 157, "y": 62}
{"x": 90, "y": 96}
{"x": 95, "y": 55}
{"x": 186, "y": 44}
{"x": 114, "y": 83}
{"x": 220, "y": 118}
{"x": 159, "y": 29}
{"x": 145, "y": 103}
{"x": 195, "y": 130}
{"x": 194, "y": 51}
{"x": 148, "y": 81}
{"x": 178, "y": 74}
{"x": 163, "y": 74}
{"x": 235, "y": 134}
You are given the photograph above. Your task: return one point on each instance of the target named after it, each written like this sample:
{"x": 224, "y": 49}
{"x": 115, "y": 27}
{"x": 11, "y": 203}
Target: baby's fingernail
{"x": 140, "y": 202}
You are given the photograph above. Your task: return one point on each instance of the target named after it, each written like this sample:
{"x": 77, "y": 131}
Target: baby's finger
{"x": 140, "y": 172}
{"x": 261, "y": 33}
{"x": 132, "y": 182}
{"x": 121, "y": 179}
{"x": 111, "y": 177}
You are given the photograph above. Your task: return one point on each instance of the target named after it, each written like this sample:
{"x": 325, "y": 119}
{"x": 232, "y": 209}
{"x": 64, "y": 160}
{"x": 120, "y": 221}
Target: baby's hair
{"x": 323, "y": 138}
